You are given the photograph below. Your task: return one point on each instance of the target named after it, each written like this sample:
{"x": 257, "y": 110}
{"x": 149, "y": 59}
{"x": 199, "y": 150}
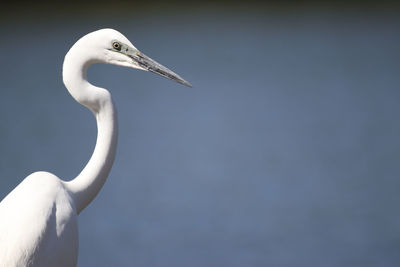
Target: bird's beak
{"x": 147, "y": 63}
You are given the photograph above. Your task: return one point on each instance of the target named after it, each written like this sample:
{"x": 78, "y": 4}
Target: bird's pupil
{"x": 117, "y": 45}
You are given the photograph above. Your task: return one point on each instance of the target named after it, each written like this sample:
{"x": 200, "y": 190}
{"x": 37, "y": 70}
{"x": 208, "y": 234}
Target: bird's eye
{"x": 116, "y": 46}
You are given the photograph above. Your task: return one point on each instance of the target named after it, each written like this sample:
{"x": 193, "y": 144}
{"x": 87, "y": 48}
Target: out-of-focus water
{"x": 285, "y": 153}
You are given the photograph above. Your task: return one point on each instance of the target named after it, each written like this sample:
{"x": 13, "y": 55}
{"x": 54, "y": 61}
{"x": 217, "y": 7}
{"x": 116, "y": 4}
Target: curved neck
{"x": 89, "y": 182}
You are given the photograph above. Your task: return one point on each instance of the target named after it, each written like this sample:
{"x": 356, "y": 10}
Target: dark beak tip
{"x": 188, "y": 84}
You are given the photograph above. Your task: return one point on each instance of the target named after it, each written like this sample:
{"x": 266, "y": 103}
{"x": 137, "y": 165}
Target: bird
{"x": 38, "y": 218}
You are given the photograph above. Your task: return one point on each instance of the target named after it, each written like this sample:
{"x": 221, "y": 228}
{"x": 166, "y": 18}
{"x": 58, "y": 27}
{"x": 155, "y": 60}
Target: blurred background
{"x": 285, "y": 153}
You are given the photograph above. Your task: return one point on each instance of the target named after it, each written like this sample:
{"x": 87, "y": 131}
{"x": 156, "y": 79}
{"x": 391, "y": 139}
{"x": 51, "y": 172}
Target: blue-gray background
{"x": 285, "y": 153}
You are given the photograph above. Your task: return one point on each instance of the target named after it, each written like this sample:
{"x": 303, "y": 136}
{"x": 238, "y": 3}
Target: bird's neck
{"x": 89, "y": 182}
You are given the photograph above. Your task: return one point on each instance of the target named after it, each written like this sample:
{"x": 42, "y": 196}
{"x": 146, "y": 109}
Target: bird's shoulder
{"x": 38, "y": 185}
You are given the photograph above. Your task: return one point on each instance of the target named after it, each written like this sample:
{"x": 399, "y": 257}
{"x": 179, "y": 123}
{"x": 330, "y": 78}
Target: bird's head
{"x": 111, "y": 47}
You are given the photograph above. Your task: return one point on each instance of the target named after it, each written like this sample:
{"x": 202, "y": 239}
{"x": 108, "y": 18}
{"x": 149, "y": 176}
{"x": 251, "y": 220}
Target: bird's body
{"x": 38, "y": 219}
{"x": 44, "y": 218}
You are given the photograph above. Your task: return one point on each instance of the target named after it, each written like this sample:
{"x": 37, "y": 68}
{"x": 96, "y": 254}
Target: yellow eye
{"x": 116, "y": 46}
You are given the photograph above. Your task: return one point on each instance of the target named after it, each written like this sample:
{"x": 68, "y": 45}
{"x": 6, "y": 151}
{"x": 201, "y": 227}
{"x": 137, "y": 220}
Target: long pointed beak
{"x": 151, "y": 65}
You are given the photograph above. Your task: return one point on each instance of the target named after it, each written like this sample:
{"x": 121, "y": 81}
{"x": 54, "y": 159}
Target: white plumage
{"x": 38, "y": 219}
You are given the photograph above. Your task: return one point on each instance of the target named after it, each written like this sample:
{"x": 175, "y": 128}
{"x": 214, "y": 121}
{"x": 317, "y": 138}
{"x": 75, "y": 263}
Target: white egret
{"x": 38, "y": 219}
